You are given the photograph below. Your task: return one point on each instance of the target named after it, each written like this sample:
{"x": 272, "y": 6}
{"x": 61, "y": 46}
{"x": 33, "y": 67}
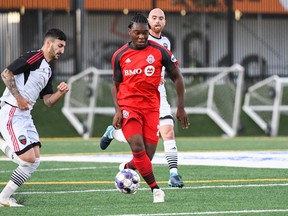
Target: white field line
{"x": 208, "y": 213}
{"x": 166, "y": 188}
{"x": 66, "y": 169}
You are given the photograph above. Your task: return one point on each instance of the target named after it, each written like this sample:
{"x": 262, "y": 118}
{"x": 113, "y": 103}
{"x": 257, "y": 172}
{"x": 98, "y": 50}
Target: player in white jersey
{"x": 26, "y": 79}
{"x": 157, "y": 23}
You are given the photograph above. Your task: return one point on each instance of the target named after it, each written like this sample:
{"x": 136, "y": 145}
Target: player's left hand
{"x": 63, "y": 88}
{"x": 162, "y": 81}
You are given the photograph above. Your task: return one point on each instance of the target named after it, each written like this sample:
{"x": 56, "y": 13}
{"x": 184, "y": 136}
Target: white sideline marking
{"x": 207, "y": 213}
{"x": 274, "y": 159}
{"x": 264, "y": 159}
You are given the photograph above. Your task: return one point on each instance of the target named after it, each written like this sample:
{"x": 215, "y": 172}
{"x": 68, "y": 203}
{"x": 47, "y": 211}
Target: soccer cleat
{"x": 107, "y": 137}
{"x": 122, "y": 166}
{"x": 158, "y": 196}
{"x": 10, "y": 202}
{"x": 175, "y": 181}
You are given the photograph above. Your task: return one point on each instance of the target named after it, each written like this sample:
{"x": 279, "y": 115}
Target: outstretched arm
{"x": 51, "y": 99}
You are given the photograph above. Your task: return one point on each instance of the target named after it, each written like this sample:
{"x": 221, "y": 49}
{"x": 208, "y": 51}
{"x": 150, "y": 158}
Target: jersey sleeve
{"x": 169, "y": 61}
{"x": 20, "y": 65}
{"x": 116, "y": 68}
{"x": 26, "y": 62}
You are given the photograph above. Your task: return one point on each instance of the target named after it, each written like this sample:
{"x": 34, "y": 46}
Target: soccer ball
{"x": 127, "y": 181}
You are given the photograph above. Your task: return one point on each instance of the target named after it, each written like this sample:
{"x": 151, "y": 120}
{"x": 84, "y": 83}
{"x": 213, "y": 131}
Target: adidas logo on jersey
{"x": 127, "y": 60}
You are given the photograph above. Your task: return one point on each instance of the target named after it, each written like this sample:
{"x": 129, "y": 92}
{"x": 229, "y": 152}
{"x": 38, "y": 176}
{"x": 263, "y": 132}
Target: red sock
{"x": 144, "y": 166}
{"x": 130, "y": 165}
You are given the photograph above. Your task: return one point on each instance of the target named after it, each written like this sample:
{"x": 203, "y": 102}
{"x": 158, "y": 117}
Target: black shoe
{"x": 107, "y": 137}
{"x": 175, "y": 181}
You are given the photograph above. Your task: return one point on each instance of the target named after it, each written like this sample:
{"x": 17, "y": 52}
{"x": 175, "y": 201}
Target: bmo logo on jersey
{"x": 149, "y": 70}
{"x": 132, "y": 72}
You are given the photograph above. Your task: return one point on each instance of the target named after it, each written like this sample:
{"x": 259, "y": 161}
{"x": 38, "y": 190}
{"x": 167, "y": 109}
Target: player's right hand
{"x": 23, "y": 103}
{"x": 117, "y": 120}
{"x": 183, "y": 118}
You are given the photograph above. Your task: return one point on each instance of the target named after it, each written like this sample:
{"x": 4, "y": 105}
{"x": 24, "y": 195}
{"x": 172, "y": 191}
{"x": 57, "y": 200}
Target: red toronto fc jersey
{"x": 139, "y": 74}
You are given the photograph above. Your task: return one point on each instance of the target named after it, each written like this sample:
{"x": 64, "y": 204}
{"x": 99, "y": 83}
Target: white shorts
{"x": 18, "y": 129}
{"x": 165, "y": 109}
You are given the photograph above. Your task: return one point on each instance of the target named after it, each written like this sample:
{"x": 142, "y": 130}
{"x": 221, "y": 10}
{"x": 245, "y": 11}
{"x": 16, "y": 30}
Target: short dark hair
{"x": 138, "y": 18}
{"x": 55, "y": 33}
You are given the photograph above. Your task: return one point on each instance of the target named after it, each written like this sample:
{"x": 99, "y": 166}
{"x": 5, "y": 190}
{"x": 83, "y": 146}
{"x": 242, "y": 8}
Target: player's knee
{"x": 36, "y": 164}
{"x": 167, "y": 129}
{"x": 167, "y": 133}
{"x": 29, "y": 167}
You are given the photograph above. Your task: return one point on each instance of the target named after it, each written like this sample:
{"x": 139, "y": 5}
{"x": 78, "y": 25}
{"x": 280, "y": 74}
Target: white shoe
{"x": 10, "y": 202}
{"x": 122, "y": 166}
{"x": 158, "y": 196}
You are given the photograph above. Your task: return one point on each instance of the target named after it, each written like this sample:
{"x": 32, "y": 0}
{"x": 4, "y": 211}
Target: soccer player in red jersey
{"x": 137, "y": 68}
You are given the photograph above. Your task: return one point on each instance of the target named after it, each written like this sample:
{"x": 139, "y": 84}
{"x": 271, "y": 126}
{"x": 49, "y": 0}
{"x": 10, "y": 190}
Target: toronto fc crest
{"x": 125, "y": 114}
{"x": 150, "y": 59}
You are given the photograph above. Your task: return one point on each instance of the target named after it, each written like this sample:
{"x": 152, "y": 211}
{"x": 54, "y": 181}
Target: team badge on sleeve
{"x": 173, "y": 59}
